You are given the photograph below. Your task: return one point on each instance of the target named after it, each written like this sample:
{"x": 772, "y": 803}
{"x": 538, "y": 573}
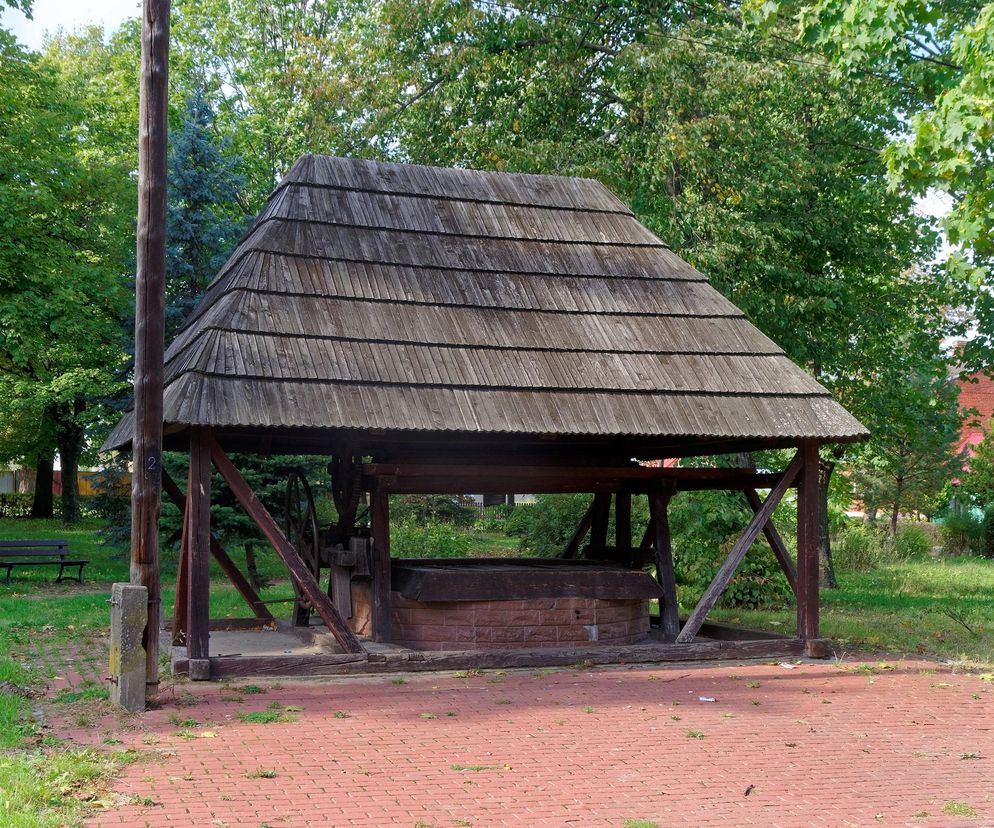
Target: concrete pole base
{"x": 128, "y": 616}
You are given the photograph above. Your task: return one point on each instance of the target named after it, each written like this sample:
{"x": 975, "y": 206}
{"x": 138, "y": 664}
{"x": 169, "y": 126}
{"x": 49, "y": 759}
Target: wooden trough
{"x": 437, "y": 331}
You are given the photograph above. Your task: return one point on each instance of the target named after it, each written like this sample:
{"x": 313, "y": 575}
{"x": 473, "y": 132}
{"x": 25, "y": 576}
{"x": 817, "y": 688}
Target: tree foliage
{"x": 912, "y": 456}
{"x": 936, "y": 60}
{"x": 62, "y": 244}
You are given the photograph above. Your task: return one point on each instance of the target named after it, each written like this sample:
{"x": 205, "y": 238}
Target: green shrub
{"x": 860, "y": 547}
{"x": 432, "y": 540}
{"x": 962, "y": 532}
{"x": 15, "y": 505}
{"x": 424, "y": 509}
{"x": 546, "y": 527}
{"x": 704, "y": 527}
{"x": 911, "y": 543}
{"x": 987, "y": 532}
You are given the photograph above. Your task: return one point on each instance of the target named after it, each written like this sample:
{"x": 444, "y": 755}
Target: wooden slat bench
{"x": 21, "y": 553}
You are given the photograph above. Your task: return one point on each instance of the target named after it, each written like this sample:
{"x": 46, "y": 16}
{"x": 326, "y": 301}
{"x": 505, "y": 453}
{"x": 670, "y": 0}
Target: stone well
{"x": 448, "y": 606}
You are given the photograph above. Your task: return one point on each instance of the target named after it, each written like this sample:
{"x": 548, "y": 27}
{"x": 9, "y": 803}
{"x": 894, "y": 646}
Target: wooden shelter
{"x": 444, "y": 330}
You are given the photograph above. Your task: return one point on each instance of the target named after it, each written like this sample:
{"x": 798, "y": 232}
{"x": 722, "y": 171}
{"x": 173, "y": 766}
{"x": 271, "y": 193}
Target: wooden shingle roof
{"x": 388, "y": 297}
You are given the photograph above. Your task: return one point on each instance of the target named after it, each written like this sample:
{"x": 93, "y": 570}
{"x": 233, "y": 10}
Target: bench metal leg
{"x": 78, "y": 578}
{"x": 9, "y": 569}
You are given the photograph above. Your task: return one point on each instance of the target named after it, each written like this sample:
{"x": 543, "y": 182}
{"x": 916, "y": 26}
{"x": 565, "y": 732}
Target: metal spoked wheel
{"x": 301, "y": 525}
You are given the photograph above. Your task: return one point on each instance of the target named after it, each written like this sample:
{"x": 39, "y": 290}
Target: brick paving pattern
{"x": 908, "y": 743}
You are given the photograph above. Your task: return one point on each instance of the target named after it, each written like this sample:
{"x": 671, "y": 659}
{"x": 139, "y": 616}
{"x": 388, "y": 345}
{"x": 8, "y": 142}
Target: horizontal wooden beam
{"x": 506, "y": 583}
{"x": 403, "y": 446}
{"x": 425, "y": 478}
{"x": 401, "y": 661}
{"x": 235, "y": 624}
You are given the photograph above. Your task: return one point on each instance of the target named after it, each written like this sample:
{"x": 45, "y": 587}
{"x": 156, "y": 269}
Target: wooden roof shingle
{"x": 389, "y": 297}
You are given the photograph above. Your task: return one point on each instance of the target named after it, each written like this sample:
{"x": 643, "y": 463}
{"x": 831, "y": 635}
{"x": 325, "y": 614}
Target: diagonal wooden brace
{"x": 775, "y": 541}
{"x": 229, "y": 567}
{"x": 721, "y": 580}
{"x": 573, "y": 545}
{"x": 301, "y": 575}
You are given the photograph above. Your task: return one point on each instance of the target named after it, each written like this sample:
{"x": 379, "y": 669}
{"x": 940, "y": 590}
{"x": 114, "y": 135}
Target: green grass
{"x": 492, "y": 545}
{"x": 43, "y": 789}
{"x": 958, "y": 809}
{"x": 269, "y": 716}
{"x": 937, "y": 607}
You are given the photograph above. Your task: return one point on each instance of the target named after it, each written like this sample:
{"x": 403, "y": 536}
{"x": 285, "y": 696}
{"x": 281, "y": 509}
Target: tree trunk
{"x": 69, "y": 434}
{"x": 251, "y": 567}
{"x": 826, "y": 578}
{"x": 896, "y": 508}
{"x": 43, "y": 504}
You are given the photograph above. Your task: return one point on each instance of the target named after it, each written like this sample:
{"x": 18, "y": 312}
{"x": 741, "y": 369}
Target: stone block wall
{"x": 546, "y": 622}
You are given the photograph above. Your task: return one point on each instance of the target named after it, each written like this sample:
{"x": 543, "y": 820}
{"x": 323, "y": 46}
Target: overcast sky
{"x": 51, "y": 15}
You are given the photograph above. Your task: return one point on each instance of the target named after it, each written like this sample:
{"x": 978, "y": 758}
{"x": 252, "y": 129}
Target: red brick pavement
{"x": 819, "y": 744}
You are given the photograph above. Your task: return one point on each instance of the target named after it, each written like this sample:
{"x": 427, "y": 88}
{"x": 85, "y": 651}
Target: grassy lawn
{"x": 942, "y": 607}
{"x": 46, "y": 628}
{"x": 492, "y": 545}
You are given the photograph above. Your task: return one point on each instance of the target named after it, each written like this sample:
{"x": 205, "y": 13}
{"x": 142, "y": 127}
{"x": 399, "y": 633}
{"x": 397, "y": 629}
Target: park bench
{"x": 22, "y": 553}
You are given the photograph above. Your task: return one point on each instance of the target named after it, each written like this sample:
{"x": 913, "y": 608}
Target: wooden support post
{"x": 573, "y": 545}
{"x": 182, "y": 578}
{"x": 717, "y": 586}
{"x": 773, "y": 538}
{"x": 382, "y": 604}
{"x": 198, "y": 521}
{"x": 623, "y": 520}
{"x": 223, "y": 559}
{"x": 807, "y": 542}
{"x": 150, "y": 298}
{"x": 599, "y": 519}
{"x": 299, "y": 572}
{"x": 669, "y": 608}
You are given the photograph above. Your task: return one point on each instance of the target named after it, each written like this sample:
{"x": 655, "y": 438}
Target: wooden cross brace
{"x": 721, "y": 580}
{"x": 301, "y": 575}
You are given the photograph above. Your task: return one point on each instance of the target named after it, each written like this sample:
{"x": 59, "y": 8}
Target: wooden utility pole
{"x": 146, "y": 485}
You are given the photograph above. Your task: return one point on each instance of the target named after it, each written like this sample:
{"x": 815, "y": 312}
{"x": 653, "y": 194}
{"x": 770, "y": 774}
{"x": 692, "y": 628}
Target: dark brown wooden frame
{"x": 674, "y": 641}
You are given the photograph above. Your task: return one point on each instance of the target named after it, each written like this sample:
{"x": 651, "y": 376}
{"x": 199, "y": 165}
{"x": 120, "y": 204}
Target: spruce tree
{"x": 205, "y": 217}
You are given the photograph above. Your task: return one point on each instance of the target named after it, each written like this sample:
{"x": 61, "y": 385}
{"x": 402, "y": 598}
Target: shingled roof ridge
{"x": 308, "y": 164}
